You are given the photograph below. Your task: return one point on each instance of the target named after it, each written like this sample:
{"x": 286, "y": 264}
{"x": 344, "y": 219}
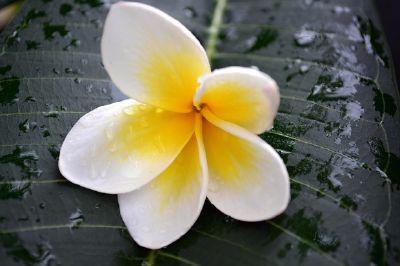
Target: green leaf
{"x": 337, "y": 131}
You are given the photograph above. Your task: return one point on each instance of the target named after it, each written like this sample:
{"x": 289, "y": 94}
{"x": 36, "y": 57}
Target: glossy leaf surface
{"x": 337, "y": 130}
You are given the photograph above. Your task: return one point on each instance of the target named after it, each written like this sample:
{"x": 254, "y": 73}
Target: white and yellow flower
{"x": 190, "y": 134}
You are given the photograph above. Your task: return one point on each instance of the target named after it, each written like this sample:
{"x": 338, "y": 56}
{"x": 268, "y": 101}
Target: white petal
{"x": 119, "y": 147}
{"x": 248, "y": 180}
{"x": 152, "y": 57}
{"x": 240, "y": 95}
{"x": 161, "y": 212}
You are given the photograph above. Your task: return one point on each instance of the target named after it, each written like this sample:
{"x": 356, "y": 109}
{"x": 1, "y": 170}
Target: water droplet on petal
{"x": 213, "y": 186}
{"x": 159, "y": 110}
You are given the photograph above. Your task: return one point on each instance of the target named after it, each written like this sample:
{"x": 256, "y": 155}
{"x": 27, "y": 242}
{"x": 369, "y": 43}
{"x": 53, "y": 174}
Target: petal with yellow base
{"x": 247, "y": 179}
{"x": 151, "y": 57}
{"x": 240, "y": 95}
{"x": 119, "y": 147}
{"x": 165, "y": 209}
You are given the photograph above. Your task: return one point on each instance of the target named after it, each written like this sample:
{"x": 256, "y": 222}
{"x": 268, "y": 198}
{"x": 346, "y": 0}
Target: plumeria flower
{"x": 190, "y": 134}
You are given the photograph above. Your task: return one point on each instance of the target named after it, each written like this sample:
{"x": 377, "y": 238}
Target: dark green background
{"x": 337, "y": 130}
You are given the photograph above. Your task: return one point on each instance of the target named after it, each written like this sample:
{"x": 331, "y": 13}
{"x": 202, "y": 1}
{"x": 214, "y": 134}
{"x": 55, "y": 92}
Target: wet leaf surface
{"x": 337, "y": 131}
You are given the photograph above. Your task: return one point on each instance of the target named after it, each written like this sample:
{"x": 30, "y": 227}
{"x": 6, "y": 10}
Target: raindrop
{"x": 341, "y": 9}
{"x": 305, "y": 37}
{"x": 330, "y": 87}
{"x": 97, "y": 23}
{"x": 45, "y": 131}
{"x": 89, "y": 88}
{"x": 54, "y": 151}
{"x": 213, "y": 187}
{"x": 263, "y": 39}
{"x": 354, "y": 110}
{"x": 304, "y": 69}
{"x": 26, "y": 126}
{"x": 56, "y": 71}
{"x": 190, "y": 12}
{"x": 51, "y": 113}
{"x": 142, "y": 107}
{"x": 42, "y": 205}
{"x": 68, "y": 70}
{"x": 26, "y": 160}
{"x": 228, "y": 219}
{"x": 76, "y": 218}
{"x": 50, "y": 30}
{"x": 53, "y": 110}
{"x": 159, "y": 110}
{"x": 30, "y": 99}
{"x": 73, "y": 43}
{"x": 23, "y": 218}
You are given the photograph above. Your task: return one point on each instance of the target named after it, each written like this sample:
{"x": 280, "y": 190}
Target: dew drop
{"x": 228, "y": 219}
{"x": 76, "y": 218}
{"x": 159, "y": 110}
{"x": 30, "y": 99}
{"x": 341, "y": 9}
{"x": 304, "y": 69}
{"x": 89, "y": 88}
{"x": 354, "y": 110}
{"x": 26, "y": 126}
{"x": 305, "y": 37}
{"x": 97, "y": 23}
{"x": 68, "y": 70}
{"x": 213, "y": 186}
{"x": 131, "y": 110}
{"x": 142, "y": 107}
{"x": 23, "y": 218}
{"x": 190, "y": 12}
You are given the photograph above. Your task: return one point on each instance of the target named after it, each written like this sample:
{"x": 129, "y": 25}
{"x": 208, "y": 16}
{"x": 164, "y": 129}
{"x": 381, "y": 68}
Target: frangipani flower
{"x": 190, "y": 134}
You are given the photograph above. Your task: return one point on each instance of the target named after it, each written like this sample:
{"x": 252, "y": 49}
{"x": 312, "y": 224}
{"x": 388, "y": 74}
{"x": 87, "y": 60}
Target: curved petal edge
{"x": 120, "y": 147}
{"x": 162, "y": 211}
{"x": 152, "y": 57}
{"x": 243, "y": 96}
{"x": 247, "y": 178}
